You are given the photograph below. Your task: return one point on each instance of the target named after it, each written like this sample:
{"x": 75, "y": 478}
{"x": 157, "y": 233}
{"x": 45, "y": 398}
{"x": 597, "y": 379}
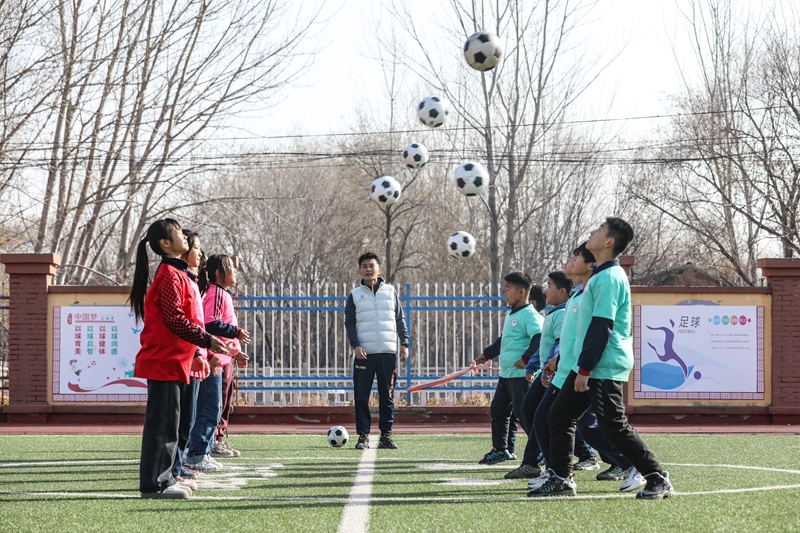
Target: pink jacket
{"x": 218, "y": 307}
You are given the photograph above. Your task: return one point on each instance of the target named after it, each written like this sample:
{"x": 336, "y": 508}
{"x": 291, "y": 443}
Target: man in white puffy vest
{"x": 375, "y": 326}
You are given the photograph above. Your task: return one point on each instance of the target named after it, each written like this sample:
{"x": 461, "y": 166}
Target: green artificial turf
{"x": 300, "y": 484}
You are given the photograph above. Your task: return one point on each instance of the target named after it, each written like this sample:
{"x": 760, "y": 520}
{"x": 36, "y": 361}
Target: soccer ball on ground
{"x": 471, "y": 178}
{"x": 461, "y": 245}
{"x": 337, "y": 436}
{"x": 483, "y": 51}
{"x": 415, "y": 155}
{"x": 385, "y": 190}
{"x": 432, "y": 111}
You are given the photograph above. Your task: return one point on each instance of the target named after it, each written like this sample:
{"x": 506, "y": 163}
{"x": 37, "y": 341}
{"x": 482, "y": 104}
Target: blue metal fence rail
{"x": 434, "y": 321}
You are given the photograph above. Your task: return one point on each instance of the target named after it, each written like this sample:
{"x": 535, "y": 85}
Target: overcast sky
{"x": 636, "y": 84}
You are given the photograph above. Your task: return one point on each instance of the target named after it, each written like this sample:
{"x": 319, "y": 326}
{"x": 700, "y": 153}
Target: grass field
{"x": 432, "y": 483}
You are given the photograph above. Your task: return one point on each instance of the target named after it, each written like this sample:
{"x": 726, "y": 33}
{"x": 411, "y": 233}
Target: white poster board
{"x": 699, "y": 352}
{"x": 94, "y": 351}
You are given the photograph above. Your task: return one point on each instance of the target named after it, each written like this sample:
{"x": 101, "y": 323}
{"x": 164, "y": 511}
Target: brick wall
{"x": 29, "y": 278}
{"x": 783, "y": 275}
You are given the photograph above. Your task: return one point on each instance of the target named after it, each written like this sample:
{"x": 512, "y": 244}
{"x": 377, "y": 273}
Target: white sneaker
{"x": 214, "y": 462}
{"x": 537, "y": 482}
{"x": 174, "y": 492}
{"x": 633, "y": 481}
{"x": 203, "y": 465}
{"x": 188, "y": 483}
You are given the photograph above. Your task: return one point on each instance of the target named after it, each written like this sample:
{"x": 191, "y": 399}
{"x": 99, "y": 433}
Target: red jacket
{"x": 171, "y": 330}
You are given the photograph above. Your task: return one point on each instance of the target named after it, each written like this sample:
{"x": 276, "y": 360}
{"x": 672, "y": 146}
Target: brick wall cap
{"x": 627, "y": 260}
{"x": 773, "y": 267}
{"x": 50, "y": 259}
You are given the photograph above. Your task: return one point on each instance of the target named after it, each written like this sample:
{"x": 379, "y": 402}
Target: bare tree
{"x": 142, "y": 87}
{"x": 516, "y": 116}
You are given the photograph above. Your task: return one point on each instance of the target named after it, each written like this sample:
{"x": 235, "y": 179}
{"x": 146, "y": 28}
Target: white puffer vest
{"x": 375, "y": 318}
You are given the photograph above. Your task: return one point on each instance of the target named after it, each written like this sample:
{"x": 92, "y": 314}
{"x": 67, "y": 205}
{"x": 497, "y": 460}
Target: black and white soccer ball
{"x": 471, "y": 178}
{"x": 337, "y": 436}
{"x": 461, "y": 245}
{"x": 432, "y": 111}
{"x": 415, "y": 156}
{"x": 483, "y": 51}
{"x": 385, "y": 190}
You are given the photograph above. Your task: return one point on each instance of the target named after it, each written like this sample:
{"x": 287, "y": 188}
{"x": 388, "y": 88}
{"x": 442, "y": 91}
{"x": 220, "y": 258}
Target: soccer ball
{"x": 483, "y": 51}
{"x": 385, "y": 190}
{"x": 471, "y": 178}
{"x": 432, "y": 111}
{"x": 461, "y": 245}
{"x": 415, "y": 155}
{"x": 337, "y": 436}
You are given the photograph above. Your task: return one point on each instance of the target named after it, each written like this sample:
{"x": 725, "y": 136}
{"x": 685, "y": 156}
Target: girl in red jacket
{"x": 168, "y": 340}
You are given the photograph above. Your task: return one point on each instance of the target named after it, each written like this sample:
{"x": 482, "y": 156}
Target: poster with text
{"x": 94, "y": 351}
{"x": 695, "y": 352}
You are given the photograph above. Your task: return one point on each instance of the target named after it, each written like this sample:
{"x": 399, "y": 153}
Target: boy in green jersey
{"x": 514, "y": 348}
{"x": 604, "y": 343}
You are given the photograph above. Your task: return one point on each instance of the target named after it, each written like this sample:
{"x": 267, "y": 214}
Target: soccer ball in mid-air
{"x": 483, "y": 51}
{"x": 432, "y": 111}
{"x": 337, "y": 436}
{"x": 471, "y": 178}
{"x": 415, "y": 155}
{"x": 385, "y": 190}
{"x": 461, "y": 245}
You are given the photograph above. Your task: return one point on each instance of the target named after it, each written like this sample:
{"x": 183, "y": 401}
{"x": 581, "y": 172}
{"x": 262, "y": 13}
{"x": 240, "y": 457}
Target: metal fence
{"x": 3, "y": 343}
{"x": 299, "y": 353}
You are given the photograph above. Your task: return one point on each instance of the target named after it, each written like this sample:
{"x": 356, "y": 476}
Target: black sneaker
{"x": 496, "y": 456}
{"x": 524, "y": 471}
{"x": 363, "y": 441}
{"x": 613, "y": 473}
{"x": 386, "y": 442}
{"x": 658, "y": 487}
{"x": 588, "y": 463}
{"x": 555, "y": 486}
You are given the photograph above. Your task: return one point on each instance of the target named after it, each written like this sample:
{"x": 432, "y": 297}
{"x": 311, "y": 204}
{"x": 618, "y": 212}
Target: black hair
{"x": 216, "y": 270}
{"x": 368, "y": 255}
{"x": 621, "y": 232}
{"x": 160, "y": 229}
{"x": 537, "y": 297}
{"x": 201, "y": 273}
{"x": 588, "y": 257}
{"x": 191, "y": 236}
{"x": 520, "y": 280}
{"x": 561, "y": 280}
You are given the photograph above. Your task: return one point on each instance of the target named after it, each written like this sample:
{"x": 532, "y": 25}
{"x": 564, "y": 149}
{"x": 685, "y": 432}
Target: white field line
{"x": 408, "y": 499}
{"x": 355, "y": 517}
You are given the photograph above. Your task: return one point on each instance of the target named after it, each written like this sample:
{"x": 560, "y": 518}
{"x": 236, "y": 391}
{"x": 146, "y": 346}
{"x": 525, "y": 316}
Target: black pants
{"x": 188, "y": 412}
{"x": 606, "y": 398}
{"x": 507, "y": 402}
{"x": 529, "y": 404}
{"x": 160, "y": 435}
{"x": 384, "y": 366}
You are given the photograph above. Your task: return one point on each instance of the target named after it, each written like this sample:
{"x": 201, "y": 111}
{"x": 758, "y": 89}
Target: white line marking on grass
{"x": 453, "y": 466}
{"x": 57, "y": 463}
{"x": 473, "y": 482}
{"x": 741, "y": 467}
{"x": 355, "y": 516}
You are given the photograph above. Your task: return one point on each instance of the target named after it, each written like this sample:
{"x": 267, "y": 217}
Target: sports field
{"x": 432, "y": 483}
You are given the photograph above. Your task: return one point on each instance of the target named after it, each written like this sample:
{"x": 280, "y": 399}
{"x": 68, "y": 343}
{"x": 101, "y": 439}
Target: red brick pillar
{"x": 29, "y": 276}
{"x": 627, "y": 262}
{"x": 783, "y": 275}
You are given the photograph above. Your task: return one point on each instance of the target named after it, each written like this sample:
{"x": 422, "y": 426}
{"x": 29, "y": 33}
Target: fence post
{"x": 29, "y": 276}
{"x": 408, "y": 328}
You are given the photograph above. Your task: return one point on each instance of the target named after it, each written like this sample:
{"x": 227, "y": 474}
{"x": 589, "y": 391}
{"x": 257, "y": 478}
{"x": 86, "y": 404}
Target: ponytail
{"x": 202, "y": 274}
{"x": 160, "y": 229}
